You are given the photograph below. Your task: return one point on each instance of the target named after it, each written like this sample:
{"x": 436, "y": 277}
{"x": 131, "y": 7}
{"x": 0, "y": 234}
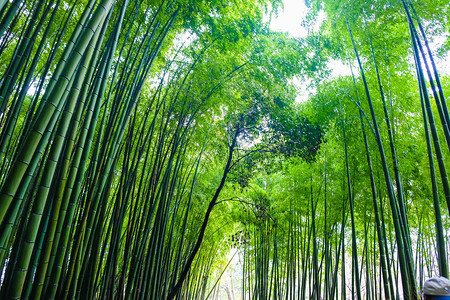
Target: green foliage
{"x": 108, "y": 170}
{"x": 294, "y": 135}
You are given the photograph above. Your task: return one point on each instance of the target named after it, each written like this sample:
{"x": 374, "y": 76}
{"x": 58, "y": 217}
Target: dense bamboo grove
{"x": 158, "y": 150}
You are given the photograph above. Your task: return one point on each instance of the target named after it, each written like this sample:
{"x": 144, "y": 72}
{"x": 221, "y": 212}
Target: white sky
{"x": 290, "y": 18}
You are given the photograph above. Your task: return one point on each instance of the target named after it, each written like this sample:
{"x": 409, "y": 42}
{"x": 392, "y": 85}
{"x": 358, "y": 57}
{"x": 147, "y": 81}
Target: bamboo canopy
{"x": 160, "y": 149}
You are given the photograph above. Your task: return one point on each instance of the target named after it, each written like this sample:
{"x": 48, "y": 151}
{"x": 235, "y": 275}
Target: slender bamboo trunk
{"x": 407, "y": 271}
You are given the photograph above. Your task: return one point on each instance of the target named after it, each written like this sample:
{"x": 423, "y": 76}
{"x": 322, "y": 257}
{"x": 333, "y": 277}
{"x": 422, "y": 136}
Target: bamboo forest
{"x": 198, "y": 149}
